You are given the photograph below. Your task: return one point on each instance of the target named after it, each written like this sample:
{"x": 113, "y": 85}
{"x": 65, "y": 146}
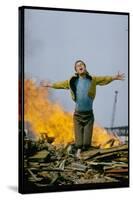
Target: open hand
{"x": 45, "y": 84}
{"x": 119, "y": 76}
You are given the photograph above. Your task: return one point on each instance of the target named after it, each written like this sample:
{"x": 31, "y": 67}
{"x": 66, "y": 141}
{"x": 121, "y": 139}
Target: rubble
{"x": 48, "y": 165}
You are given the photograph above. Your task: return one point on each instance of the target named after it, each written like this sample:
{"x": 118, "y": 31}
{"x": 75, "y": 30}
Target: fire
{"x": 103, "y": 139}
{"x": 46, "y": 117}
{"x": 50, "y": 119}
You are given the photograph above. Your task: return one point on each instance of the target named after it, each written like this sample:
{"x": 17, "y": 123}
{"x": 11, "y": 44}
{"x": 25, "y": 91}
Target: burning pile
{"x": 49, "y": 160}
{"x": 46, "y": 117}
{"x": 49, "y": 119}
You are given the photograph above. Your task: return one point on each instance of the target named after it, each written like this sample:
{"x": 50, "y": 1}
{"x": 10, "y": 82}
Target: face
{"x": 80, "y": 68}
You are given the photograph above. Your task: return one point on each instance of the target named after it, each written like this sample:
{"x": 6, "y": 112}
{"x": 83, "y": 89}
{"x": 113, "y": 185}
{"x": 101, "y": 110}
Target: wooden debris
{"x": 34, "y": 176}
{"x": 46, "y": 165}
{"x": 117, "y": 170}
{"x": 106, "y": 156}
{"x": 91, "y": 154}
{"x": 39, "y": 156}
{"x": 114, "y": 149}
{"x": 52, "y": 169}
{"x": 62, "y": 165}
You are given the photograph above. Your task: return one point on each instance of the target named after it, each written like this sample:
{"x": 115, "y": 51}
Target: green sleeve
{"x": 61, "y": 85}
{"x": 103, "y": 80}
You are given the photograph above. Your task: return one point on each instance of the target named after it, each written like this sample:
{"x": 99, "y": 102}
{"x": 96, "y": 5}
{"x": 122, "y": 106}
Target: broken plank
{"x": 117, "y": 170}
{"x": 52, "y": 169}
{"x": 79, "y": 166}
{"x": 55, "y": 169}
{"x": 34, "y": 176}
{"x": 114, "y": 149}
{"x": 75, "y": 169}
{"x": 100, "y": 163}
{"x": 90, "y": 154}
{"x": 39, "y": 156}
{"x": 108, "y": 155}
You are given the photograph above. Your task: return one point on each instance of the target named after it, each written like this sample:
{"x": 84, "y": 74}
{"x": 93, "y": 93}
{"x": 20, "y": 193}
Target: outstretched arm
{"x": 104, "y": 80}
{"x": 57, "y": 85}
{"x": 119, "y": 77}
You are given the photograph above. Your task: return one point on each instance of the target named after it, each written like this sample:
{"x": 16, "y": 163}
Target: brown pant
{"x": 83, "y": 127}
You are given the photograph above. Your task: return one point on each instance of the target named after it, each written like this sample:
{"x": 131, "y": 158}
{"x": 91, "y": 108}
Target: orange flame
{"x": 50, "y": 118}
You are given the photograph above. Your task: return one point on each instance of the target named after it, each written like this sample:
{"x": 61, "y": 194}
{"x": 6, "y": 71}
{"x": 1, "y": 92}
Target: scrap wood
{"x": 95, "y": 165}
{"x": 109, "y": 142}
{"x": 111, "y": 179}
{"x": 114, "y": 167}
{"x": 122, "y": 165}
{"x": 52, "y": 169}
{"x": 117, "y": 170}
{"x": 114, "y": 149}
{"x": 55, "y": 178}
{"x": 34, "y": 176}
{"x": 90, "y": 154}
{"x": 107, "y": 163}
{"x": 62, "y": 165}
{"x": 99, "y": 163}
{"x": 101, "y": 153}
{"x": 49, "y": 177}
{"x": 75, "y": 169}
{"x": 118, "y": 177}
{"x": 35, "y": 164}
{"x": 79, "y": 166}
{"x": 108, "y": 155}
{"x": 39, "y": 156}
{"x": 122, "y": 159}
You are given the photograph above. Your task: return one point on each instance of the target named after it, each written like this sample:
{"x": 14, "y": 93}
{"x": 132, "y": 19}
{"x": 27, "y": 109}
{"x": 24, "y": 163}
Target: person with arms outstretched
{"x": 83, "y": 91}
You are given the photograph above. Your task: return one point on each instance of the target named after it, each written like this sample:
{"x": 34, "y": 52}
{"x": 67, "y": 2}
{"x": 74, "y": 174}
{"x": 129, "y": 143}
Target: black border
{"x": 73, "y": 10}
{"x": 23, "y": 188}
{"x": 21, "y": 100}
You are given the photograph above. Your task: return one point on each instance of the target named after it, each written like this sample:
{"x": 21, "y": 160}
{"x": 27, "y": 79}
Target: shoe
{"x": 78, "y": 154}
